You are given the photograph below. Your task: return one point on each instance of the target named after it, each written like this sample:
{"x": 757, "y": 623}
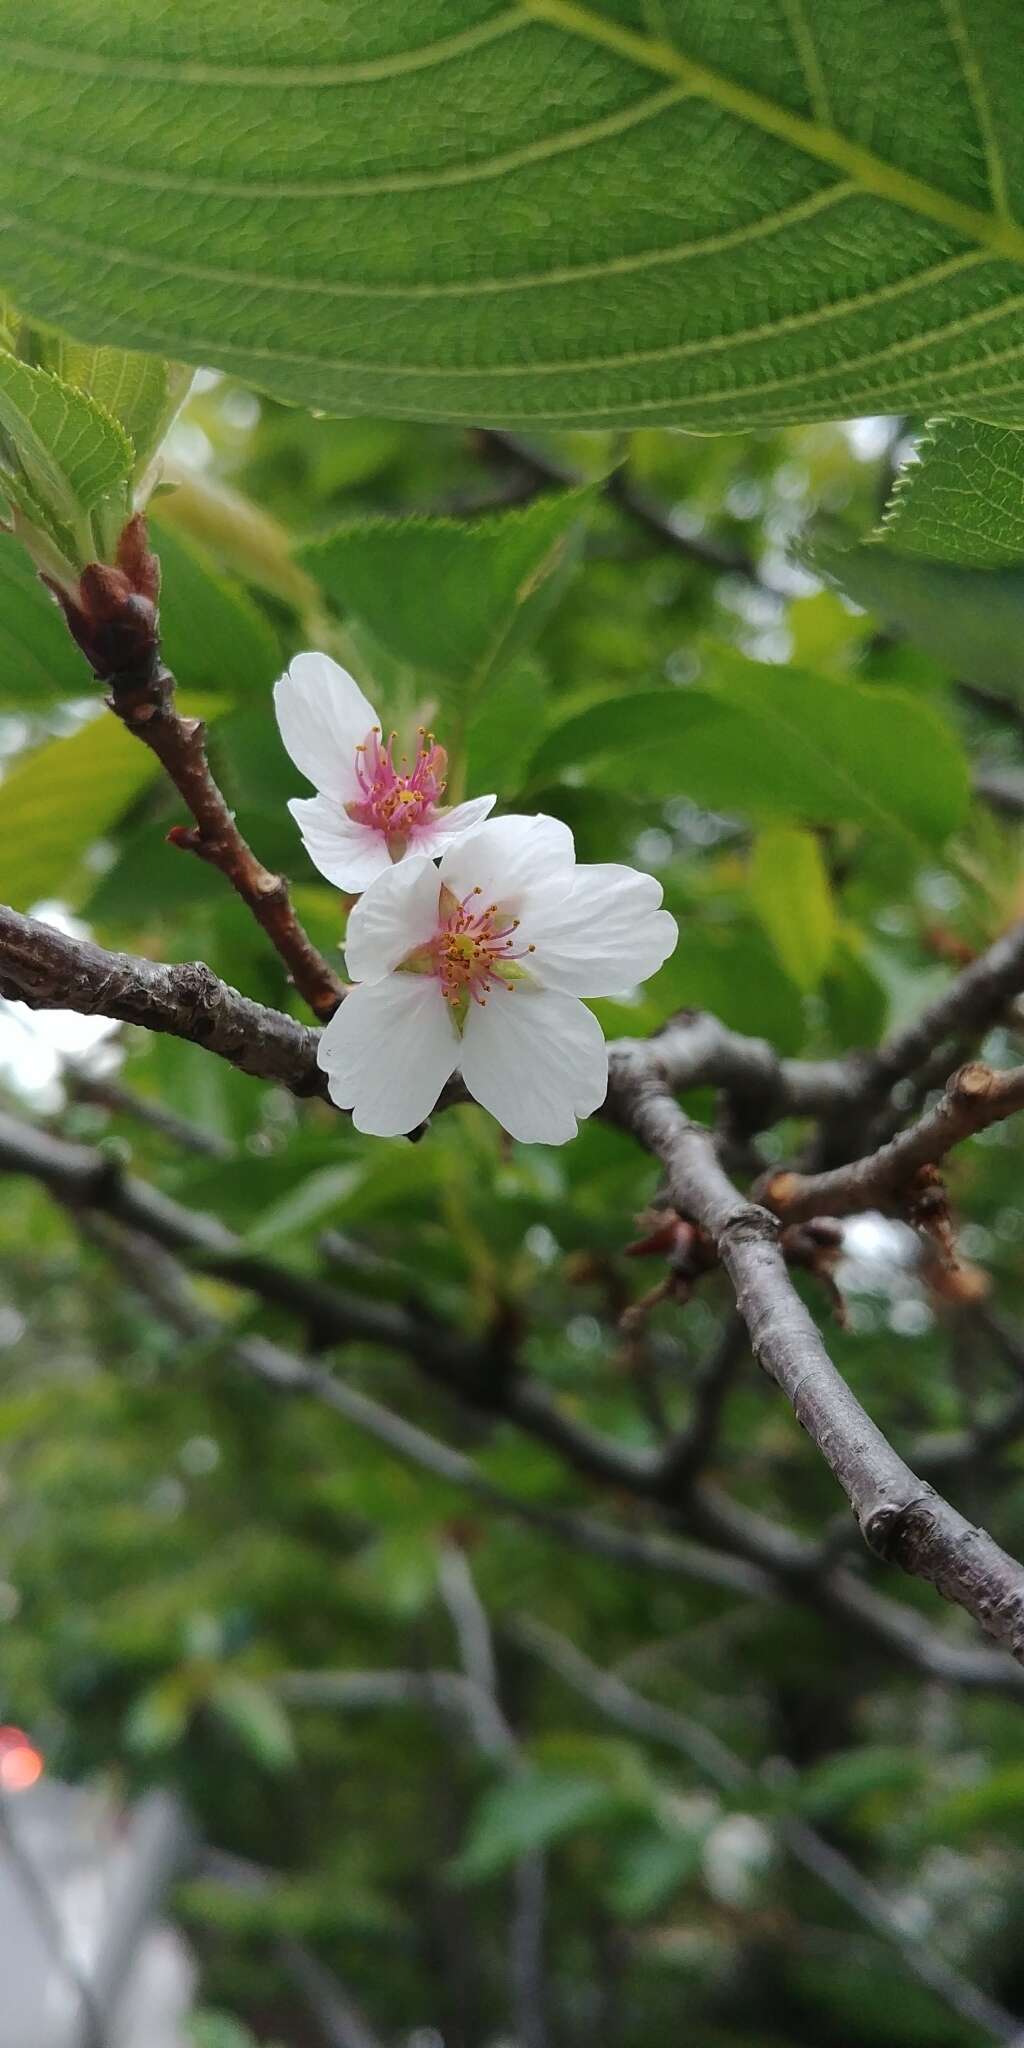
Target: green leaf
{"x": 213, "y": 636}
{"x": 397, "y": 1573}
{"x": 791, "y": 893}
{"x": 160, "y": 1716}
{"x": 503, "y": 735}
{"x": 61, "y": 455}
{"x": 845, "y": 1779}
{"x": 59, "y": 799}
{"x": 856, "y": 1004}
{"x": 142, "y": 392}
{"x": 257, "y": 1718}
{"x": 970, "y": 620}
{"x": 528, "y": 1812}
{"x": 218, "y": 2030}
{"x": 39, "y": 662}
{"x": 318, "y": 1196}
{"x": 458, "y": 600}
{"x": 962, "y": 500}
{"x": 997, "y": 1799}
{"x": 731, "y": 971}
{"x": 649, "y": 1871}
{"x": 445, "y": 209}
{"x": 772, "y": 742}
{"x": 543, "y": 210}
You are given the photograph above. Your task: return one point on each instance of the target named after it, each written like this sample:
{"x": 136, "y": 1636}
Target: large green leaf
{"x": 963, "y": 501}
{"x": 543, "y": 210}
{"x": 971, "y": 620}
{"x": 504, "y": 732}
{"x": 772, "y": 742}
{"x": 456, "y": 598}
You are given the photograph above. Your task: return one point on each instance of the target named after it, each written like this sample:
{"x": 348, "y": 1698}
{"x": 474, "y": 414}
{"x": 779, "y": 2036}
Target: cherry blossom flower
{"x": 479, "y": 966}
{"x": 370, "y": 809}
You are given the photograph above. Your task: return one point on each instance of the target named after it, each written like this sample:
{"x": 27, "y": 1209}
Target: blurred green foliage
{"x": 176, "y": 1539}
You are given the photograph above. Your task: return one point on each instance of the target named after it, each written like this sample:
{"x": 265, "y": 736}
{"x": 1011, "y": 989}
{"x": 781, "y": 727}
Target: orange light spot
{"x": 20, "y": 1763}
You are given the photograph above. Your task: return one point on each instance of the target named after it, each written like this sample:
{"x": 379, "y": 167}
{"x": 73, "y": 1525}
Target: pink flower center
{"x": 472, "y": 951}
{"x": 397, "y": 801}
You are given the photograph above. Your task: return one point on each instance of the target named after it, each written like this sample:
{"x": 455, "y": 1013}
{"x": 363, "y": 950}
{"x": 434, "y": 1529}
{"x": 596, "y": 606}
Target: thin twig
{"x": 81, "y": 1086}
{"x": 476, "y": 1652}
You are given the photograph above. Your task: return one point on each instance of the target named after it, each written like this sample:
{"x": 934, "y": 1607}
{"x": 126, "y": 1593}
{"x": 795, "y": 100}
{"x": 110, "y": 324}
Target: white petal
{"x": 387, "y": 1053}
{"x": 537, "y": 1060}
{"x": 607, "y": 935}
{"x": 397, "y": 914}
{"x": 515, "y": 862}
{"x": 350, "y": 855}
{"x": 323, "y": 717}
{"x": 447, "y": 826}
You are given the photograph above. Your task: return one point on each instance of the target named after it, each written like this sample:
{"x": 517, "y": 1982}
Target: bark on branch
{"x": 903, "y": 1520}
{"x": 47, "y": 970}
{"x": 975, "y": 1097}
{"x": 113, "y": 617}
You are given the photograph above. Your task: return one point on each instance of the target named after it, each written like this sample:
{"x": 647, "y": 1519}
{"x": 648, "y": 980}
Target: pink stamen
{"x": 472, "y": 949}
{"x": 393, "y": 800}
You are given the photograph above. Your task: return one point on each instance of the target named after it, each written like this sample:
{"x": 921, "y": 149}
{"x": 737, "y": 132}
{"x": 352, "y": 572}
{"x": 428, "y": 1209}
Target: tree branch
{"x": 526, "y": 1946}
{"x": 47, "y": 970}
{"x": 901, "y": 1518}
{"x": 146, "y": 707}
{"x": 113, "y": 617}
{"x": 976, "y": 1096}
{"x": 765, "y": 1561}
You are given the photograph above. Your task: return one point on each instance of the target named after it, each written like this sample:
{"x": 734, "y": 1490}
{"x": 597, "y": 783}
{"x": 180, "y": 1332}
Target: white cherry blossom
{"x": 479, "y": 966}
{"x": 370, "y": 810}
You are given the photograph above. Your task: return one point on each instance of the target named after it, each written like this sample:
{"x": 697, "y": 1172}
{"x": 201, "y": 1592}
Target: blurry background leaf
{"x": 525, "y": 1813}
{"x": 65, "y": 795}
{"x": 257, "y": 1719}
{"x": 769, "y": 741}
{"x": 790, "y": 891}
{"x": 213, "y": 636}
